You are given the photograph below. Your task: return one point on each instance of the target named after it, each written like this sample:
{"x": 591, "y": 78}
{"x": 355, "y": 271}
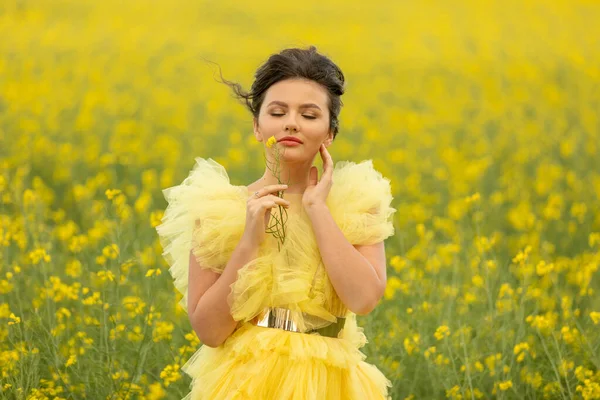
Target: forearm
{"x": 213, "y": 314}
{"x": 354, "y": 279}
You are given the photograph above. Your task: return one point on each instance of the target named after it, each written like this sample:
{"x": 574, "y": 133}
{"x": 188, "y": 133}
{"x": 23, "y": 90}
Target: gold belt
{"x": 276, "y": 317}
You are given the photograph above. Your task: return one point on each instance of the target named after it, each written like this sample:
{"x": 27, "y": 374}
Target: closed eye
{"x": 305, "y": 116}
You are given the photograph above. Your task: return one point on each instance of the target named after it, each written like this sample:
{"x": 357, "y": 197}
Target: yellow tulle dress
{"x": 207, "y": 213}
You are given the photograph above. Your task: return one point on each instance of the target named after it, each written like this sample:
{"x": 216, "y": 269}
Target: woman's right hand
{"x": 258, "y": 212}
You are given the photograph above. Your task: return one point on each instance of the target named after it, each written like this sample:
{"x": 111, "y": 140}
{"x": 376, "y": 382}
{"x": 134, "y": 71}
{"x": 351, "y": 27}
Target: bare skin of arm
{"x": 208, "y": 309}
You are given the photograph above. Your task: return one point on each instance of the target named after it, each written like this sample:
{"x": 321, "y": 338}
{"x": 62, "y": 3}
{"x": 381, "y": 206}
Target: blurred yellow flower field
{"x": 484, "y": 115}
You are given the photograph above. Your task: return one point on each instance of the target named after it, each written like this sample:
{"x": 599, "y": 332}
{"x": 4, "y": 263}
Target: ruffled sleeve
{"x": 360, "y": 202}
{"x": 205, "y": 214}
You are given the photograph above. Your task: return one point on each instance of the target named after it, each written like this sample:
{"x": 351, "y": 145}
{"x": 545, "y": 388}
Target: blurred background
{"x": 484, "y": 116}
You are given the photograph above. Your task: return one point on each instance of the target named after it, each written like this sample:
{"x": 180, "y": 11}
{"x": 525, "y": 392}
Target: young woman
{"x": 278, "y": 321}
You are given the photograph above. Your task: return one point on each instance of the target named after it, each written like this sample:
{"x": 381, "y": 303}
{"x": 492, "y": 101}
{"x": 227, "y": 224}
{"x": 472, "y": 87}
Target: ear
{"x": 257, "y": 133}
{"x": 329, "y": 139}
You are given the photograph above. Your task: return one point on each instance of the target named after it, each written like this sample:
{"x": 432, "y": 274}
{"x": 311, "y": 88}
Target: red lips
{"x": 291, "y": 138}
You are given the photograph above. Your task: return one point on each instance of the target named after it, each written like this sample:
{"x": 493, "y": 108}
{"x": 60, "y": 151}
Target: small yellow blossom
{"x": 594, "y": 239}
{"x": 398, "y": 263}
{"x": 170, "y": 374}
{"x": 429, "y": 351}
{"x": 411, "y": 343}
{"x": 442, "y": 332}
{"x": 153, "y": 272}
{"x": 473, "y": 198}
{"x": 72, "y": 360}
{"x": 106, "y": 275}
{"x": 477, "y": 281}
{"x": 441, "y": 360}
{"x": 111, "y": 251}
{"x": 156, "y": 218}
{"x": 271, "y": 141}
{"x": 542, "y": 268}
{"x": 14, "y": 318}
{"x": 520, "y": 350}
{"x": 522, "y": 256}
{"x": 111, "y": 193}
{"x": 454, "y": 393}
{"x": 39, "y": 254}
{"x": 479, "y": 366}
{"x": 565, "y": 367}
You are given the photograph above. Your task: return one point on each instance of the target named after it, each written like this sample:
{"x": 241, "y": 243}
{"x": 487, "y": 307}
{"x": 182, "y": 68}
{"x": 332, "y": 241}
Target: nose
{"x": 291, "y": 125}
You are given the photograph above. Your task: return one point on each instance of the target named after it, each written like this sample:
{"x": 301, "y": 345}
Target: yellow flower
{"x": 156, "y": 218}
{"x": 429, "y": 351}
{"x": 441, "y": 332}
{"x": 453, "y": 392}
{"x": 111, "y": 193}
{"x": 151, "y": 272}
{"x": 106, "y": 275}
{"x": 412, "y": 343}
{"x": 271, "y": 141}
{"x": 479, "y": 366}
{"x": 520, "y": 351}
{"x": 72, "y": 360}
{"x": 111, "y": 251}
{"x": 542, "y": 268}
{"x": 595, "y": 316}
{"x": 170, "y": 374}
{"x": 473, "y": 198}
{"x": 594, "y": 238}
{"x": 14, "y": 318}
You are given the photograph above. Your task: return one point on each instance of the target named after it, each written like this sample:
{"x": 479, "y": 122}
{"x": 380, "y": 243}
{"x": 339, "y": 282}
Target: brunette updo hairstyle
{"x": 295, "y": 63}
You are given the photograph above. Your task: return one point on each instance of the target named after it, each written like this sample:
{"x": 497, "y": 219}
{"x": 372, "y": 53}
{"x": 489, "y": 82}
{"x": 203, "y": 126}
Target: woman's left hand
{"x": 317, "y": 190}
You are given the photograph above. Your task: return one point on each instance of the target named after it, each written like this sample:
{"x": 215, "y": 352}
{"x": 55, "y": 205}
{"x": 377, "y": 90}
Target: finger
{"x": 269, "y": 189}
{"x": 325, "y": 154}
{"x": 327, "y": 162}
{"x": 274, "y": 188}
{"x": 272, "y": 200}
{"x": 280, "y": 200}
{"x": 313, "y": 176}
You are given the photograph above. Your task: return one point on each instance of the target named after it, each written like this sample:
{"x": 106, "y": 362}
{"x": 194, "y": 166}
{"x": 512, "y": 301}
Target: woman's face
{"x": 299, "y": 105}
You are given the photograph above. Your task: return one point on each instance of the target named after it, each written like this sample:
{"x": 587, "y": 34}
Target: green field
{"x": 485, "y": 116}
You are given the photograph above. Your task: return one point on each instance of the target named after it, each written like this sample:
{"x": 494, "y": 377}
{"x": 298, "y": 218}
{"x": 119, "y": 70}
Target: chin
{"x": 293, "y": 156}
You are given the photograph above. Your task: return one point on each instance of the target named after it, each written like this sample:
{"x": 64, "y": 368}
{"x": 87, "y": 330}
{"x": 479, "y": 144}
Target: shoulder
{"x": 358, "y": 179}
{"x": 209, "y": 173}
{"x": 205, "y": 212}
{"x": 207, "y": 179}
{"x": 205, "y": 196}
{"x": 363, "y": 168}
{"x": 360, "y": 201}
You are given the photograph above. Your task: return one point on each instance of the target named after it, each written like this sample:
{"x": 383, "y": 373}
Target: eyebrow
{"x": 305, "y": 105}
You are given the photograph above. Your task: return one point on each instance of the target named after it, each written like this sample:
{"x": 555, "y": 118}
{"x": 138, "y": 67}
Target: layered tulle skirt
{"x": 269, "y": 363}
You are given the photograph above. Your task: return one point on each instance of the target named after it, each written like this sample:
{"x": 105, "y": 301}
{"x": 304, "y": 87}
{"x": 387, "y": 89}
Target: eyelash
{"x": 305, "y": 116}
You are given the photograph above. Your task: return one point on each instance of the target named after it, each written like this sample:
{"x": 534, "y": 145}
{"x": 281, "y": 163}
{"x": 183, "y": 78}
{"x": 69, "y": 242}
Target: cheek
{"x": 269, "y": 126}
{"x": 318, "y": 129}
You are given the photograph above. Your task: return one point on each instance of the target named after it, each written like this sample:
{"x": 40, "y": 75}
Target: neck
{"x": 295, "y": 174}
